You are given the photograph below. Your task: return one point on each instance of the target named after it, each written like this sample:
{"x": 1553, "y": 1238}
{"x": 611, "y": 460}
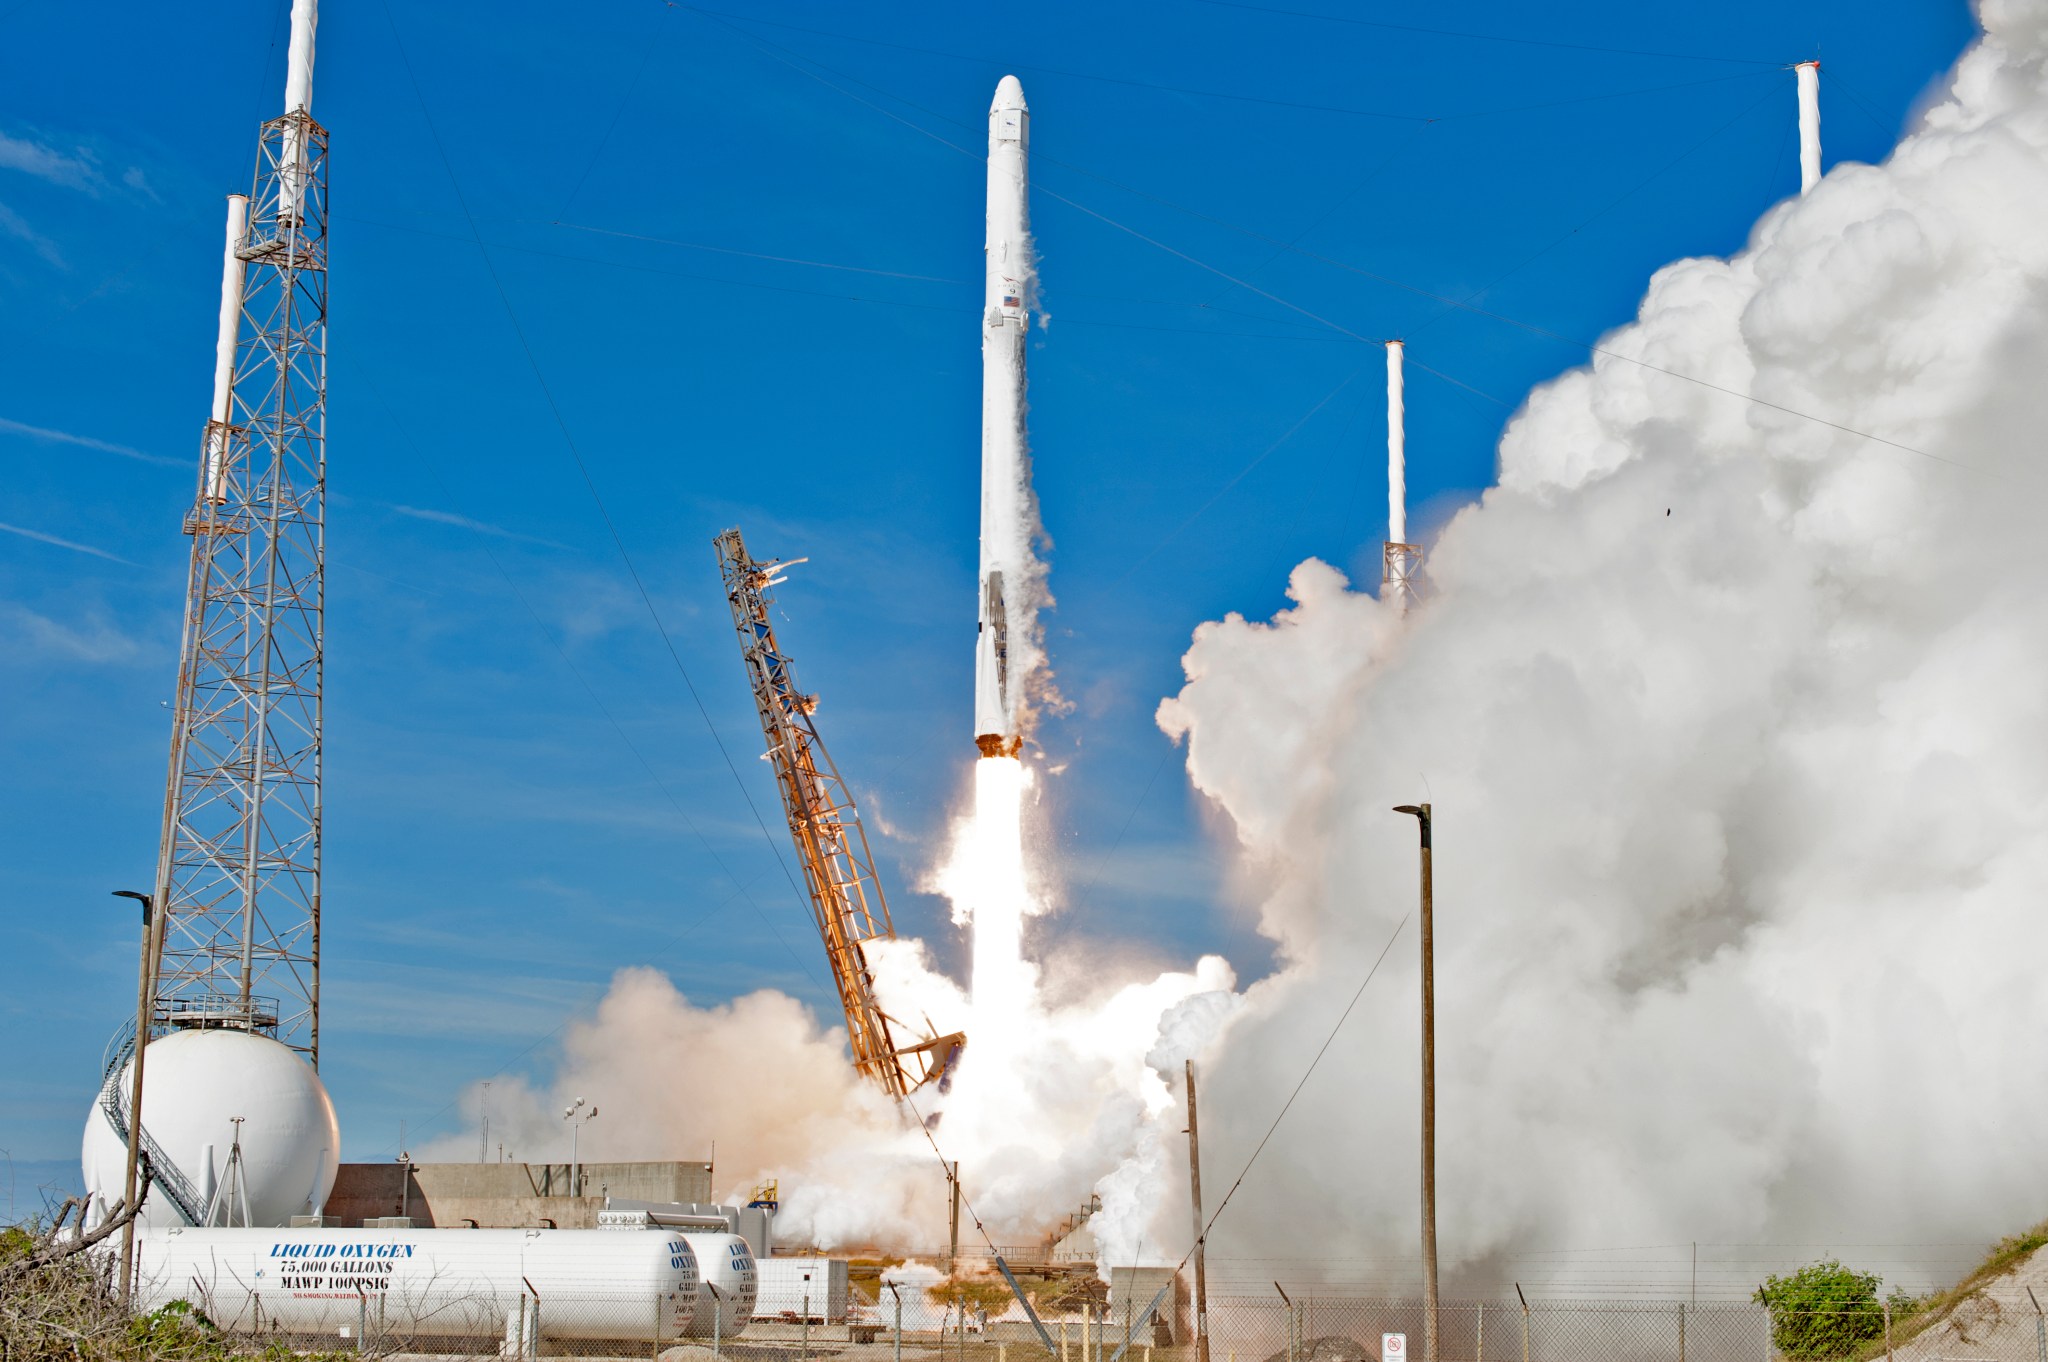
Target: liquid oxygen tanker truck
{"x": 526, "y": 1285}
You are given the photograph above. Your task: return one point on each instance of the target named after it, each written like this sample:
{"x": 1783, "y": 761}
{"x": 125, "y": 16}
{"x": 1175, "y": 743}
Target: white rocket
{"x": 1005, "y": 529}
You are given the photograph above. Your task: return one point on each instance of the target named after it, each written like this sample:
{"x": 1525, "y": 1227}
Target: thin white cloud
{"x": 15, "y": 225}
{"x": 479, "y": 526}
{"x": 25, "y": 633}
{"x": 42, "y": 538}
{"x": 84, "y": 441}
{"x": 45, "y": 162}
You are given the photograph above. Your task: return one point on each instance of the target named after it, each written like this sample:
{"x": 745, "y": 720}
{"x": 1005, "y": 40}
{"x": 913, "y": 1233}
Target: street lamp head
{"x": 592, "y": 1116}
{"x": 1415, "y": 810}
{"x": 147, "y": 902}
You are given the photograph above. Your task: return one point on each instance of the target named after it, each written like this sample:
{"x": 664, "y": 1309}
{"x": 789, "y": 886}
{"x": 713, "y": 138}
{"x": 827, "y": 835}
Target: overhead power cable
{"x": 754, "y": 255}
{"x": 648, "y": 45}
{"x": 1589, "y": 346}
{"x": 576, "y": 454}
{"x": 1125, "y": 81}
{"x": 1239, "y": 476}
{"x": 1419, "y": 119}
{"x": 1202, "y": 1237}
{"x": 1612, "y": 204}
{"x": 741, "y": 888}
{"x": 1472, "y": 36}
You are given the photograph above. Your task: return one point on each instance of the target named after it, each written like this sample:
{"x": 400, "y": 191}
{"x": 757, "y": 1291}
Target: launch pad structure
{"x": 238, "y": 863}
{"x": 839, "y": 871}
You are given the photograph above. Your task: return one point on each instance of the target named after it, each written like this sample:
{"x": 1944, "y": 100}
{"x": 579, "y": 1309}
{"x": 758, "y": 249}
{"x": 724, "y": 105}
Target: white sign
{"x": 1393, "y": 1348}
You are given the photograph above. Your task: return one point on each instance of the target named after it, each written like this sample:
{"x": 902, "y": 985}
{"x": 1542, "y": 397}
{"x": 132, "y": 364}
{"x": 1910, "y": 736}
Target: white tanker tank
{"x": 728, "y": 1282}
{"x": 400, "y": 1284}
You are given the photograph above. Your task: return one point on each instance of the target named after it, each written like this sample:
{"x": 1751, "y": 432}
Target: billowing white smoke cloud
{"x": 1734, "y": 727}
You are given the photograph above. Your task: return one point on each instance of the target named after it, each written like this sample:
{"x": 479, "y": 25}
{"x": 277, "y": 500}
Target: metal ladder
{"x": 157, "y": 1166}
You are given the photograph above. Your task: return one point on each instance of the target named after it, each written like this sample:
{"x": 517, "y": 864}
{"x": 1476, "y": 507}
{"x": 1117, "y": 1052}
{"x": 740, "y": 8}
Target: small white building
{"x": 793, "y": 1289}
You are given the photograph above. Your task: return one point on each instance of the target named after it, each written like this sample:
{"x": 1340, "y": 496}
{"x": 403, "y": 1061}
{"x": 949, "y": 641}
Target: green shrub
{"x": 1823, "y": 1310}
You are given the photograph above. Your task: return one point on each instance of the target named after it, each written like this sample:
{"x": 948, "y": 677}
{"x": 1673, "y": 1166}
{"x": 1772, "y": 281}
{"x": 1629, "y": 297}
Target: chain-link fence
{"x": 917, "y": 1327}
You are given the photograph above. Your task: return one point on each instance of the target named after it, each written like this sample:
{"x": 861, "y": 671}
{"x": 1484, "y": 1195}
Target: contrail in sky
{"x": 67, "y": 438}
{"x": 42, "y": 538}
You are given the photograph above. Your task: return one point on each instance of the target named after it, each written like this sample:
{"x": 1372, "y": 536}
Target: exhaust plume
{"x": 1731, "y": 720}
{"x": 1732, "y": 724}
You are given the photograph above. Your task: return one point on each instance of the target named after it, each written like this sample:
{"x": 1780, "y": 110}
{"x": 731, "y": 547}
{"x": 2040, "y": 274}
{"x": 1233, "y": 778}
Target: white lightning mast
{"x": 1403, "y": 561}
{"x": 1809, "y": 125}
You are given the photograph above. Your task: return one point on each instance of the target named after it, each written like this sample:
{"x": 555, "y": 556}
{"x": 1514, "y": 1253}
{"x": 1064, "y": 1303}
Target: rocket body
{"x": 1006, "y": 557}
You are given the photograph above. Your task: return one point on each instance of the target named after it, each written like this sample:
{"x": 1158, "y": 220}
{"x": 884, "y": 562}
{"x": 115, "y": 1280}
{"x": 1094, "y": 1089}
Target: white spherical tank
{"x": 398, "y": 1285}
{"x": 195, "y": 1084}
{"x": 727, "y": 1284}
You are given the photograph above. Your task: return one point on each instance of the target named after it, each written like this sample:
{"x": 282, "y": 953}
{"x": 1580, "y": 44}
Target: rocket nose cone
{"x": 1009, "y": 94}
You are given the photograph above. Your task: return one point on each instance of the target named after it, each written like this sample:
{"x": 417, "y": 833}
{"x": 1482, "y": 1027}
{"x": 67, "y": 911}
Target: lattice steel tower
{"x": 238, "y": 867}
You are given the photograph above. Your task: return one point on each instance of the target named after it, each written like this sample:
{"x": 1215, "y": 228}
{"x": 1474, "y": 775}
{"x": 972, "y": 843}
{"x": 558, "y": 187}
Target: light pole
{"x": 145, "y": 1004}
{"x": 1421, "y": 815}
{"x": 576, "y": 1117}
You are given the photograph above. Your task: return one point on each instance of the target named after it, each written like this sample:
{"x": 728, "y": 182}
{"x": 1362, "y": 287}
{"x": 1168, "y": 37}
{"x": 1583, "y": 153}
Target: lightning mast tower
{"x": 238, "y": 866}
{"x": 1809, "y": 125}
{"x": 1402, "y": 563}
{"x": 839, "y": 871}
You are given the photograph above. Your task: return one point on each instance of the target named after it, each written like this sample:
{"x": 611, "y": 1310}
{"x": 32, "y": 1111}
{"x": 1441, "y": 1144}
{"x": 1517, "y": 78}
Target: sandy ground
{"x": 1998, "y": 1324}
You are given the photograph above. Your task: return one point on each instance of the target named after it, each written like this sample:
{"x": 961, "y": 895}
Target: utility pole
{"x": 1201, "y": 1238}
{"x": 145, "y": 1008}
{"x": 953, "y": 1220}
{"x": 1421, "y": 815}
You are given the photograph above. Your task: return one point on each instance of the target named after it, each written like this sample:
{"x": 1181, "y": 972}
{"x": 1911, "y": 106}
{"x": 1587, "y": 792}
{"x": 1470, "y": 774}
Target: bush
{"x": 1823, "y": 1310}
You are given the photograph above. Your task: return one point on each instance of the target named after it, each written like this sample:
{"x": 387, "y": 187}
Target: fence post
{"x": 1681, "y": 1331}
{"x": 1525, "y": 1320}
{"x": 2040, "y": 1327}
{"x": 362, "y": 1317}
{"x": 1479, "y": 1350}
{"x": 1887, "y": 1331}
{"x": 897, "y": 1292}
{"x": 807, "y": 1327}
{"x": 1063, "y": 1332}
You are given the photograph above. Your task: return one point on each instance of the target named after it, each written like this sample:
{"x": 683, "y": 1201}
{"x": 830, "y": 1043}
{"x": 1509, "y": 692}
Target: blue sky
{"x": 522, "y": 794}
